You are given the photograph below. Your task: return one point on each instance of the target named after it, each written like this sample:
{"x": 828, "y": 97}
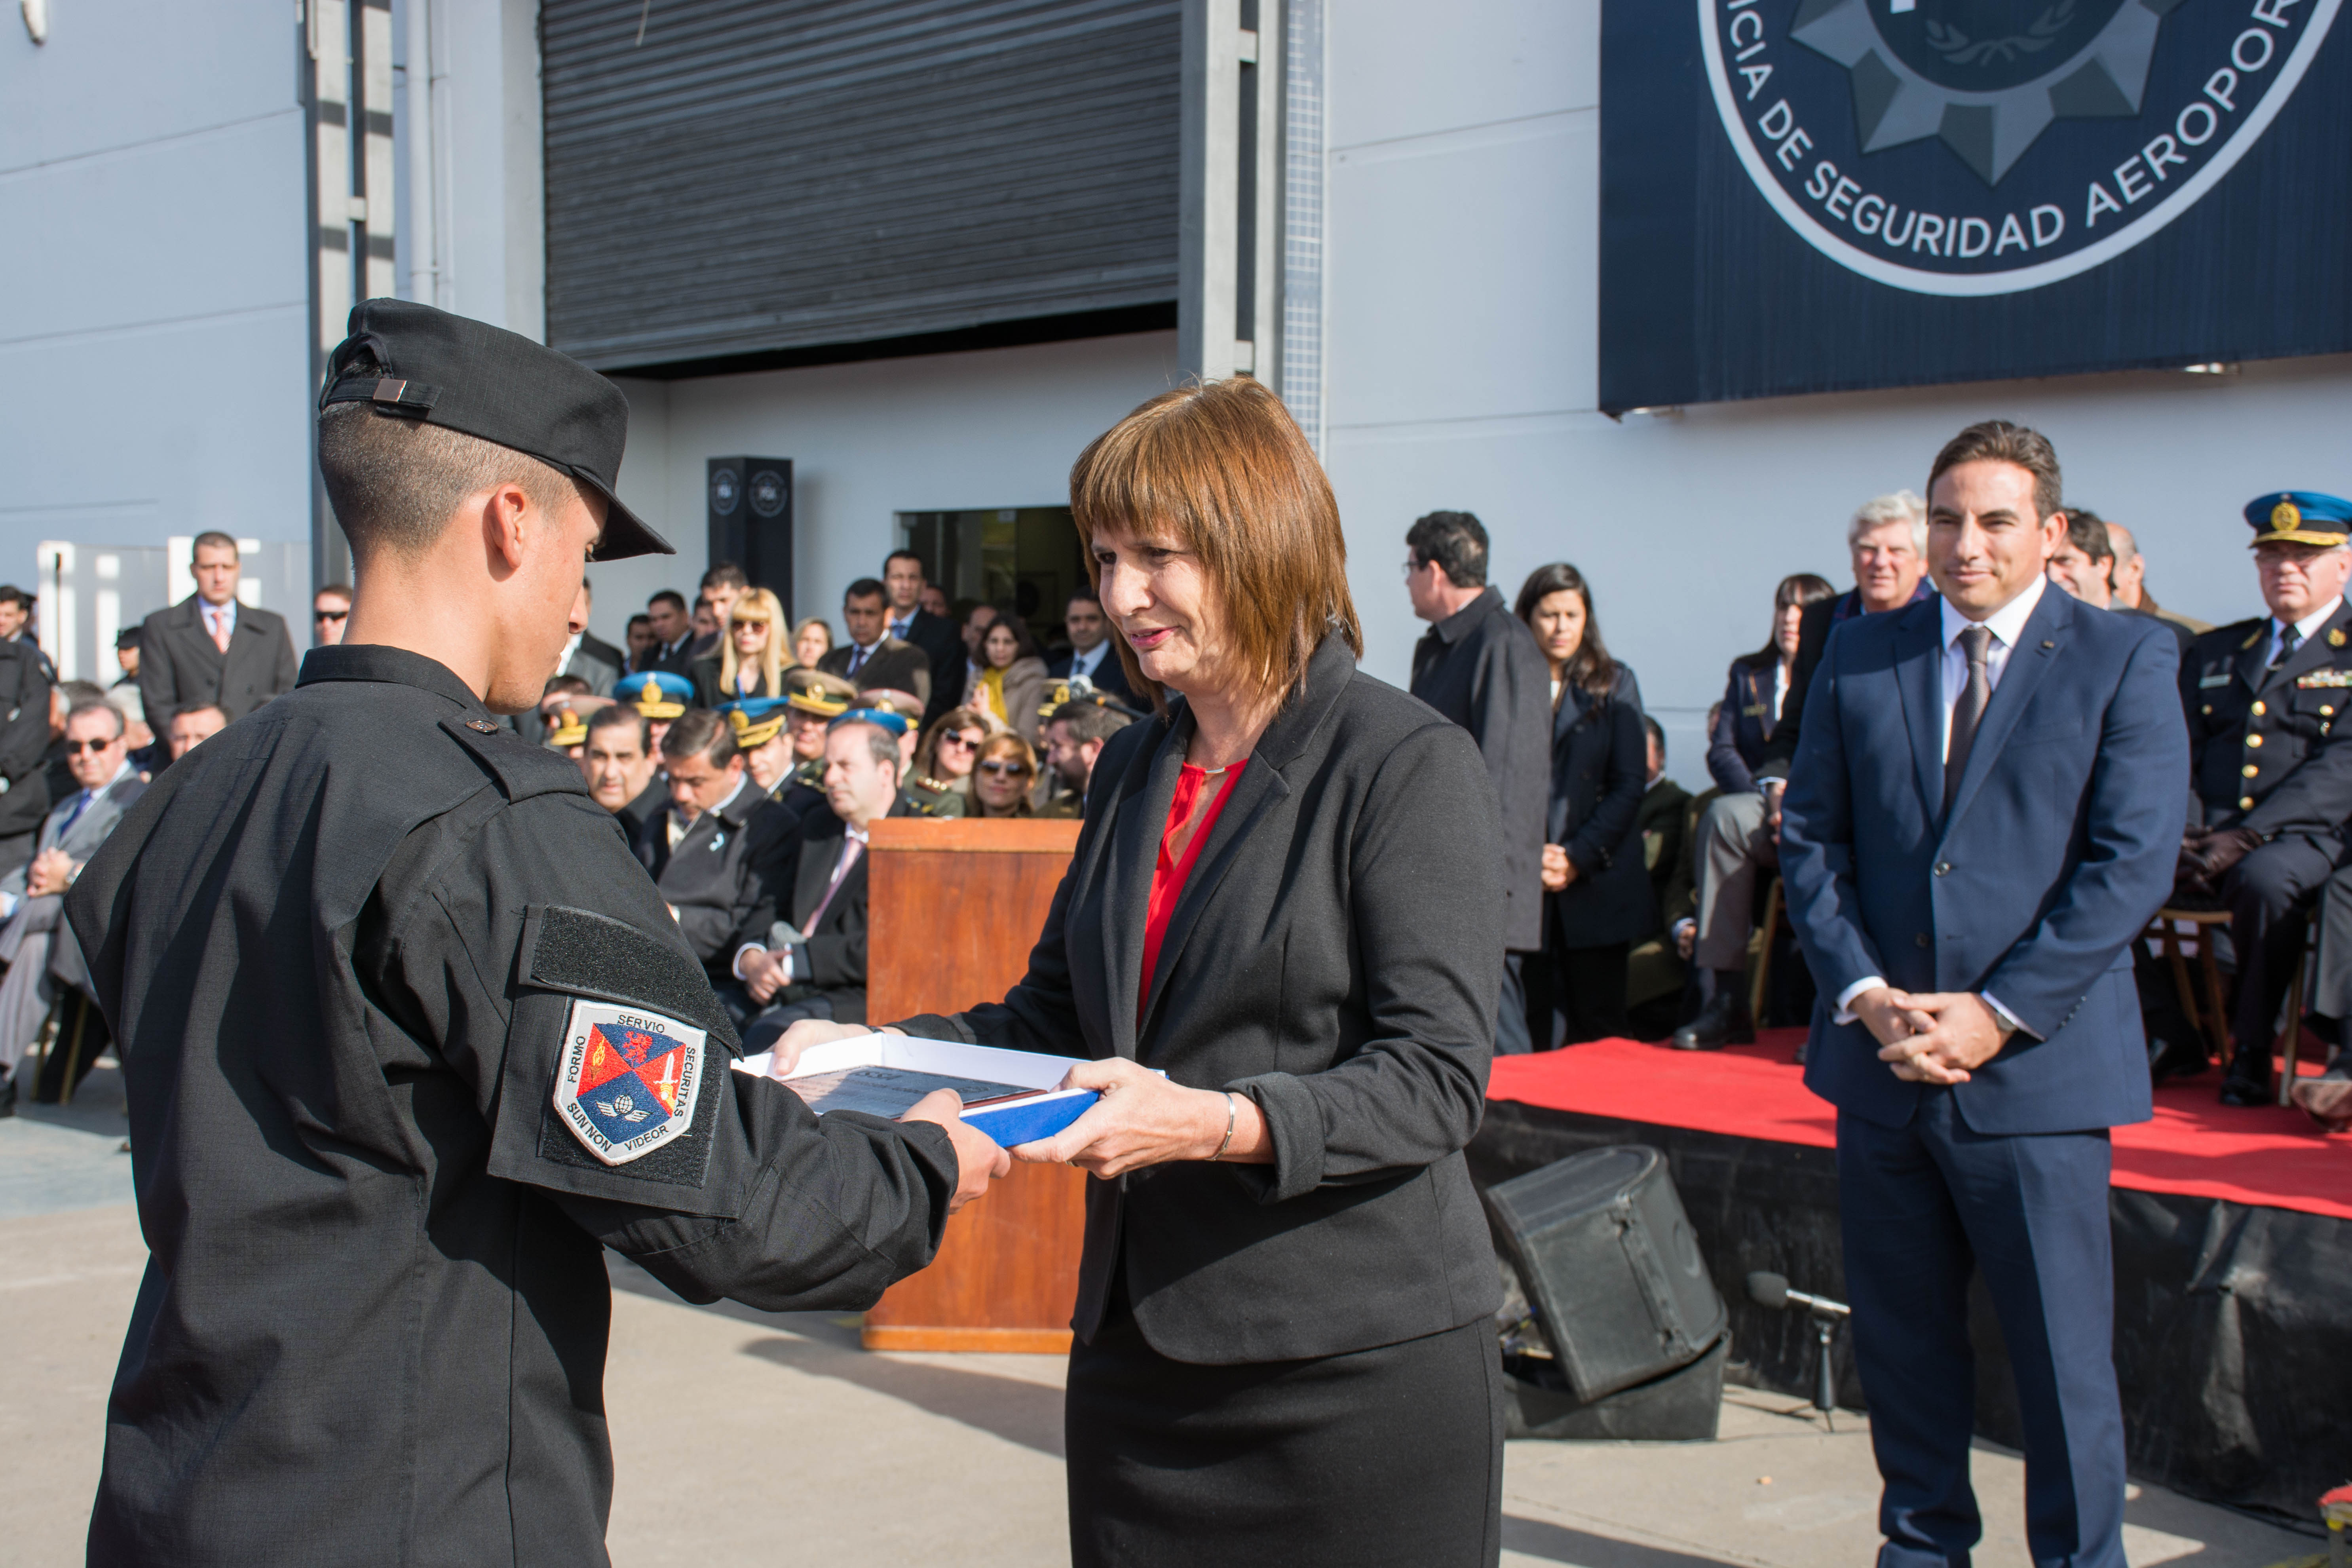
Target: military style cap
{"x": 410, "y": 361}
{"x": 1081, "y": 691}
{"x": 656, "y": 694}
{"x": 756, "y": 720}
{"x": 2300, "y": 517}
{"x": 570, "y": 730}
{"x": 885, "y": 700}
{"x": 813, "y": 691}
{"x": 896, "y": 724}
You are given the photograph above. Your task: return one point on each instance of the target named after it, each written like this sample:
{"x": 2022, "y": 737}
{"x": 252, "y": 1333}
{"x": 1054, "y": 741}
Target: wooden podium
{"x": 954, "y": 907}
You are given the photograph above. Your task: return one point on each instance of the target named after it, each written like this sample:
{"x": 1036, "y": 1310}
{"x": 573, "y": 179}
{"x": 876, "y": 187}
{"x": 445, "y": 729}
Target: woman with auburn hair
{"x": 1283, "y": 899}
{"x": 812, "y": 640}
{"x": 950, "y": 747}
{"x": 1002, "y": 777}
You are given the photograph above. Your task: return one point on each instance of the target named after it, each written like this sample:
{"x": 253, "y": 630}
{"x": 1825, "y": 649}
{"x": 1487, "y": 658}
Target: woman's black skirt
{"x": 1391, "y": 1455}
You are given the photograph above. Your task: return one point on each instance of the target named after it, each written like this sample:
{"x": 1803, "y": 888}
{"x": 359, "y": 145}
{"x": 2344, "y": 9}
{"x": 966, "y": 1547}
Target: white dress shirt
{"x": 220, "y": 620}
{"x": 2007, "y": 625}
{"x": 1087, "y": 663}
{"x": 2304, "y": 629}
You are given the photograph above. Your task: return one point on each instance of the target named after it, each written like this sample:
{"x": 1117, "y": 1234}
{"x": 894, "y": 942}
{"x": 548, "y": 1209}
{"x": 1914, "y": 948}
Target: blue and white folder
{"x": 1011, "y": 1095}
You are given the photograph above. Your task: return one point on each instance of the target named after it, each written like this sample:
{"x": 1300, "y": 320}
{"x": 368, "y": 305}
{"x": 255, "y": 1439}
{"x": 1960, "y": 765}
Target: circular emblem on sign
{"x": 724, "y": 491}
{"x": 2284, "y": 516}
{"x": 768, "y": 492}
{"x": 1976, "y": 147}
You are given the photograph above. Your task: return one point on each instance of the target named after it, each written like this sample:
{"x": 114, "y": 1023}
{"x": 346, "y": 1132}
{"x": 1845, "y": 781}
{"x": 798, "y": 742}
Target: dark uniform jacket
{"x": 725, "y": 876}
{"x": 2261, "y": 744}
{"x": 1480, "y": 666}
{"x": 180, "y": 665}
{"x": 1663, "y": 821}
{"x": 1600, "y": 757}
{"x": 348, "y": 949}
{"x": 894, "y": 665}
{"x": 1745, "y": 726}
{"x": 830, "y": 960}
{"x": 1334, "y": 955}
{"x": 23, "y": 737}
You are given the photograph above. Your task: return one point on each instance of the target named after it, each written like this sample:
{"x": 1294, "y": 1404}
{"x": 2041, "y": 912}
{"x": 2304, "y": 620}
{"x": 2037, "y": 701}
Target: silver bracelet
{"x": 1229, "y": 1130}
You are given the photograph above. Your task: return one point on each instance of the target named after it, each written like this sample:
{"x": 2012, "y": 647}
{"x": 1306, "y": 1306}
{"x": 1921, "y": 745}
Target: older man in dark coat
{"x": 1480, "y": 666}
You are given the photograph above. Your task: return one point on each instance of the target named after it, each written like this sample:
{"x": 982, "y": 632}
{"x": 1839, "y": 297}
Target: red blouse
{"x": 1175, "y": 865}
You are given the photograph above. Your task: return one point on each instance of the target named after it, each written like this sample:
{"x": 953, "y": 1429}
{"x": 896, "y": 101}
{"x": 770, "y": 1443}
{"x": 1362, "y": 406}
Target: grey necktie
{"x": 1968, "y": 711}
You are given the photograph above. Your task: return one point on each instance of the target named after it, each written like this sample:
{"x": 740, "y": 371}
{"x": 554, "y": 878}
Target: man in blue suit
{"x": 1985, "y": 810}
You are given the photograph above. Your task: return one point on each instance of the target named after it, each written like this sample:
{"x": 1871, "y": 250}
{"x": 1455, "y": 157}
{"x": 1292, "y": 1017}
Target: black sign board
{"x": 751, "y": 507}
{"x": 1812, "y": 195}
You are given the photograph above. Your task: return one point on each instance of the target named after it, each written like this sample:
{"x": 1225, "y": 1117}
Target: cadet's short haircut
{"x": 880, "y": 744}
{"x": 214, "y": 537}
{"x": 1090, "y": 720}
{"x": 700, "y": 733}
{"x": 101, "y": 706}
{"x": 1999, "y": 441}
{"x": 726, "y": 575}
{"x": 670, "y": 595}
{"x": 865, "y": 588}
{"x": 615, "y": 714}
{"x": 1454, "y": 540}
{"x": 394, "y": 483}
{"x": 185, "y": 708}
{"x": 569, "y": 685}
{"x": 2086, "y": 531}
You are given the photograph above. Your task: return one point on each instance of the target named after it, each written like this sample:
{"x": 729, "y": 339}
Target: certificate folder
{"x": 1009, "y": 1095}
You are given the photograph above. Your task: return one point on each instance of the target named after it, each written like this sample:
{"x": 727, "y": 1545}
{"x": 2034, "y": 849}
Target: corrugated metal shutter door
{"x": 787, "y": 174}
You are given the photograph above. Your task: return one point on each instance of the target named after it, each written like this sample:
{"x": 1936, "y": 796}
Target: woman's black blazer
{"x": 1744, "y": 724}
{"x": 1599, "y": 767}
{"x": 1337, "y": 954}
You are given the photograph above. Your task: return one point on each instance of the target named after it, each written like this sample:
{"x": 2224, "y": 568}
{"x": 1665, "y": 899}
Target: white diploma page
{"x": 1013, "y": 1096}
{"x": 890, "y": 1093}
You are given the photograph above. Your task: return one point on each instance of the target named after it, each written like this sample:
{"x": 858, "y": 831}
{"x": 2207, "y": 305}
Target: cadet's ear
{"x": 504, "y": 509}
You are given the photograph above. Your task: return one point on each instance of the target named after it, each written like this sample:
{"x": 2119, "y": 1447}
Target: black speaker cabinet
{"x": 1610, "y": 1267}
{"x": 751, "y": 503}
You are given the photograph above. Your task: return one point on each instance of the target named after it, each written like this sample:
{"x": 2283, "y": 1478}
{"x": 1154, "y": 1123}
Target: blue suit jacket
{"x": 2060, "y": 845}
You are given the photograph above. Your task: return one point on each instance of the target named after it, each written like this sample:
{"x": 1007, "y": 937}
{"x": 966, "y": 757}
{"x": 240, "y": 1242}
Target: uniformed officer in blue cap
{"x": 2271, "y": 779}
{"x": 763, "y": 734}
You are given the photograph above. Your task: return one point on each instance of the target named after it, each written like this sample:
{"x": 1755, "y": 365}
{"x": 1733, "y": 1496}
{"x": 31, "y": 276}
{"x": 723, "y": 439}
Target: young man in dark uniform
{"x": 409, "y": 1039}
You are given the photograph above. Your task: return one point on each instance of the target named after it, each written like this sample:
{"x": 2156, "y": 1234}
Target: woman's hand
{"x": 1559, "y": 871}
{"x": 1144, "y": 1120}
{"x": 785, "y": 1054}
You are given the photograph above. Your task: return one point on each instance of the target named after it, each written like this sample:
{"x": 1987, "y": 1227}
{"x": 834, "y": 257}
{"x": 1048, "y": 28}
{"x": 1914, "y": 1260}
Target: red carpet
{"x": 2266, "y": 1156}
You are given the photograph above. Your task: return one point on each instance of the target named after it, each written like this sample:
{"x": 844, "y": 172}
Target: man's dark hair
{"x": 393, "y": 482}
{"x": 1454, "y": 540}
{"x": 185, "y": 708}
{"x": 640, "y": 619}
{"x": 1657, "y": 731}
{"x": 865, "y": 588}
{"x": 339, "y": 590}
{"x": 701, "y": 732}
{"x": 1090, "y": 720}
{"x": 216, "y": 538}
{"x": 906, "y": 555}
{"x": 569, "y": 685}
{"x": 617, "y": 713}
{"x": 672, "y": 595}
{"x": 1999, "y": 441}
{"x": 99, "y": 705}
{"x": 12, "y": 595}
{"x": 2086, "y": 531}
{"x": 726, "y": 575}
{"x": 1088, "y": 594}
{"x": 127, "y": 638}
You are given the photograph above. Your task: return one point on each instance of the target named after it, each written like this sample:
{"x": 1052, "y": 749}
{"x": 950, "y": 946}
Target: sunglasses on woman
{"x": 969, "y": 742}
{"x": 1000, "y": 768}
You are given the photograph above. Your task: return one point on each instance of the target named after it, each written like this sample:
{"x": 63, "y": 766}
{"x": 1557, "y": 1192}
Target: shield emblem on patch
{"x": 628, "y": 1080}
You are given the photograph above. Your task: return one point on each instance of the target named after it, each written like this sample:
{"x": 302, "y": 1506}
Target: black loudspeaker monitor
{"x": 1605, "y": 1252}
{"x": 750, "y": 504}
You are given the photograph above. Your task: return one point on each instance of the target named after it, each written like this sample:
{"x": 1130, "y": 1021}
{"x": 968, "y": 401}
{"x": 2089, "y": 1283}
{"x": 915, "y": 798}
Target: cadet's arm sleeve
{"x": 535, "y": 960}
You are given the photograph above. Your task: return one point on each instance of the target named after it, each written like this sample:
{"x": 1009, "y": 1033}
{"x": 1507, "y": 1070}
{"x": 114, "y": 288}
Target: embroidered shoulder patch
{"x": 2323, "y": 678}
{"x": 627, "y": 1081}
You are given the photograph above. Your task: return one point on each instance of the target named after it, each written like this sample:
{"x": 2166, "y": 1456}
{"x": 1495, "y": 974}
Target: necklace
{"x": 1211, "y": 772}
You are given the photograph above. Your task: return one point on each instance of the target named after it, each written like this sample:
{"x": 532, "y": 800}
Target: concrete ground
{"x": 749, "y": 1437}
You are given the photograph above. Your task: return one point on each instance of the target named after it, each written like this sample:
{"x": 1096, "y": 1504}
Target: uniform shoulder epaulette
{"x": 2237, "y": 636}
{"x": 521, "y": 768}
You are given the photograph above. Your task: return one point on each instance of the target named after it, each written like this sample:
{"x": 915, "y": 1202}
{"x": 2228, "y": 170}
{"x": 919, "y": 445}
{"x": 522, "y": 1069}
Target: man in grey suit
{"x": 210, "y": 648}
{"x": 40, "y": 951}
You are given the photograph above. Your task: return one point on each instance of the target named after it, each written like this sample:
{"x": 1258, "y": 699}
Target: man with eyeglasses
{"x": 40, "y": 956}
{"x": 330, "y": 611}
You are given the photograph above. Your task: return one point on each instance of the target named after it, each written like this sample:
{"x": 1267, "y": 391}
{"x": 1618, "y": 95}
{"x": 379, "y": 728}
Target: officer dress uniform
{"x": 408, "y": 1039}
{"x": 2267, "y": 761}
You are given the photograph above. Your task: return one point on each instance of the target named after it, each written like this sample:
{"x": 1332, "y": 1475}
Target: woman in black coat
{"x": 1597, "y": 891}
{"x": 1758, "y": 686}
{"x": 1283, "y": 1347}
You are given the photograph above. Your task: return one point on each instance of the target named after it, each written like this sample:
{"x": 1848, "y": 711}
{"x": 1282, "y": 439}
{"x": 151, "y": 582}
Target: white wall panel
{"x": 118, "y": 73}
{"x": 1412, "y": 69}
